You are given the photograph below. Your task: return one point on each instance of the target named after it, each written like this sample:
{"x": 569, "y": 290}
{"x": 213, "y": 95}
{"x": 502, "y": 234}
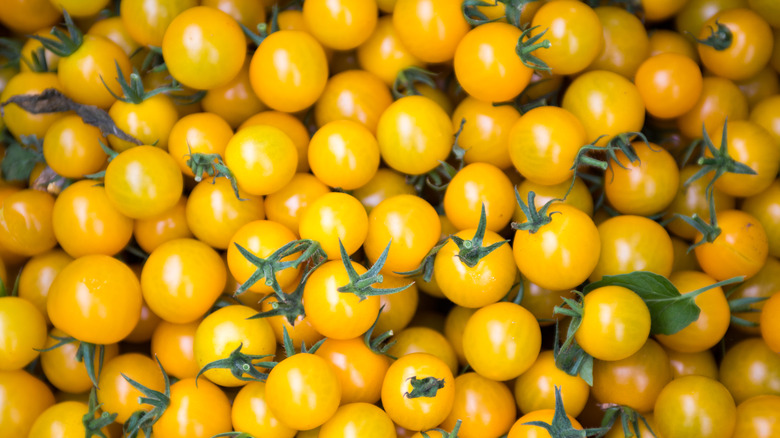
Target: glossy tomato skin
{"x": 37, "y": 275}
{"x": 171, "y": 224}
{"x": 360, "y": 371}
{"x": 26, "y": 222}
{"x": 85, "y": 222}
{"x": 383, "y": 53}
{"x": 28, "y": 16}
{"x": 196, "y": 411}
{"x": 535, "y": 388}
{"x": 487, "y": 66}
{"x": 484, "y": 283}
{"x": 251, "y": 414}
{"x": 303, "y": 391}
{"x": 174, "y": 346}
{"x": 263, "y": 159}
{"x": 332, "y": 218}
{"x": 291, "y": 126}
{"x": 486, "y": 407}
{"x": 235, "y": 101}
{"x": 414, "y": 134}
{"x": 24, "y": 399}
{"x": 203, "y": 63}
{"x": 575, "y": 34}
{"x": 222, "y": 332}
{"x": 143, "y": 181}
{"x": 615, "y": 323}
{"x": 741, "y": 249}
{"x": 261, "y": 238}
{"x": 358, "y": 419}
{"x": 670, "y": 84}
{"x": 204, "y": 133}
{"x": 750, "y": 47}
{"x": 181, "y": 279}
{"x": 626, "y": 42}
{"x": 713, "y": 321}
{"x": 475, "y": 186}
{"x": 399, "y": 308}
{"x": 769, "y": 322}
{"x": 501, "y": 341}
{"x": 147, "y": 24}
{"x": 692, "y": 199}
{"x": 80, "y": 73}
{"x": 108, "y": 312}
{"x": 720, "y": 100}
{"x": 149, "y": 121}
{"x": 750, "y": 368}
{"x": 355, "y": 95}
{"x": 696, "y": 364}
{"x": 485, "y": 134}
{"x": 520, "y": 430}
{"x": 340, "y": 25}
{"x": 563, "y": 253}
{"x": 424, "y": 340}
{"x": 214, "y": 213}
{"x": 72, "y": 148}
{"x": 642, "y": 188}
{"x": 63, "y": 370}
{"x": 749, "y": 144}
{"x": 431, "y": 37}
{"x": 758, "y": 417}
{"x": 695, "y": 406}
{"x": 62, "y": 419}
{"x": 410, "y": 226}
{"x": 579, "y": 197}
{"x": 289, "y": 70}
{"x": 19, "y": 121}
{"x": 24, "y": 331}
{"x": 117, "y": 394}
{"x": 651, "y": 247}
{"x": 344, "y": 154}
{"x": 286, "y": 205}
{"x": 420, "y": 413}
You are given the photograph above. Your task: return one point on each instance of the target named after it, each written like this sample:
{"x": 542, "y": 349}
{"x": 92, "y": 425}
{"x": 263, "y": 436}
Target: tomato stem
{"x": 534, "y": 219}
{"x": 92, "y": 424}
{"x": 525, "y": 49}
{"x": 381, "y": 343}
{"x": 473, "y": 15}
{"x": 720, "y": 37}
{"x": 471, "y": 251}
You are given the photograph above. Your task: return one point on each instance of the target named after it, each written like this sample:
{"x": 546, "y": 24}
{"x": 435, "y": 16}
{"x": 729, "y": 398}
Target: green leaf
{"x": 19, "y": 162}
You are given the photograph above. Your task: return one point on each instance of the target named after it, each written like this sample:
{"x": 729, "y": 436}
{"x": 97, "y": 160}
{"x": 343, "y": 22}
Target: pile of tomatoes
{"x": 381, "y": 218}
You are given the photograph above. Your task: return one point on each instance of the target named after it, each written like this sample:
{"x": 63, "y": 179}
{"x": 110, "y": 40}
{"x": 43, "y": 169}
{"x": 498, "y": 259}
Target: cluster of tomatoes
{"x": 217, "y": 217}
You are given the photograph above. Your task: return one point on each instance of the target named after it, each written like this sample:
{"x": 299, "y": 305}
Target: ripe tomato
{"x": 626, "y": 42}
{"x": 750, "y": 368}
{"x": 414, "y": 134}
{"x": 24, "y": 331}
{"x": 25, "y": 16}
{"x": 249, "y": 13}
{"x": 669, "y": 41}
{"x": 501, "y": 341}
{"x": 579, "y": 197}
{"x": 410, "y": 226}
{"x": 235, "y": 101}
{"x": 24, "y": 399}
{"x": 303, "y": 391}
{"x": 749, "y": 144}
{"x": 633, "y": 243}
{"x": 764, "y": 284}
{"x": 149, "y": 121}
{"x": 37, "y": 275}
{"x": 344, "y": 154}
{"x": 476, "y": 186}
{"x": 333, "y": 218}
{"x": 203, "y": 62}
{"x": 692, "y": 199}
{"x": 615, "y": 323}
{"x": 26, "y": 222}
{"x": 562, "y": 253}
{"x": 695, "y": 406}
{"x": 574, "y": 32}
{"x": 251, "y": 414}
{"x": 203, "y": 133}
{"x": 360, "y": 371}
{"x": 262, "y": 158}
{"x": 19, "y": 121}
{"x": 147, "y": 23}
{"x": 214, "y": 213}
{"x": 83, "y": 72}
{"x": 286, "y": 205}
{"x": 720, "y": 100}
{"x": 479, "y": 285}
{"x": 544, "y": 142}
{"x": 769, "y": 322}
{"x": 143, "y": 181}
{"x": 95, "y": 299}
{"x": 174, "y": 346}
{"x": 713, "y": 321}
{"x": 606, "y": 103}
{"x": 340, "y": 25}
{"x": 72, "y": 148}
{"x": 85, "y": 222}
{"x": 486, "y": 407}
{"x": 744, "y": 52}
{"x": 152, "y": 232}
{"x": 740, "y": 249}
{"x": 487, "y": 65}
{"x": 289, "y": 70}
{"x": 535, "y": 388}
{"x": 766, "y": 113}
{"x": 116, "y": 394}
{"x": 291, "y": 126}
{"x": 143, "y": 330}
{"x": 199, "y": 410}
{"x": 399, "y": 308}
{"x": 763, "y": 85}
{"x": 424, "y": 340}
{"x": 335, "y": 314}
{"x": 383, "y": 53}
{"x": 415, "y": 408}
{"x": 358, "y": 419}
{"x": 758, "y": 417}
{"x": 62, "y": 419}
{"x": 485, "y": 134}
{"x": 63, "y": 370}
{"x": 670, "y": 84}
{"x": 181, "y": 279}
{"x": 223, "y": 331}
{"x": 432, "y": 36}
{"x": 692, "y": 364}
{"x": 355, "y": 95}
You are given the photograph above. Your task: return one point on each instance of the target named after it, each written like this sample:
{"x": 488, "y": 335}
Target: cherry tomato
{"x": 485, "y": 134}
{"x": 26, "y": 222}
{"x": 579, "y": 196}
{"x": 764, "y": 284}
{"x": 152, "y": 232}
{"x": 758, "y": 417}
{"x": 174, "y": 346}
{"x": 199, "y": 410}
{"x": 633, "y": 243}
{"x": 291, "y": 126}
{"x": 670, "y": 84}
{"x": 692, "y": 199}
{"x": 25, "y": 16}
{"x": 263, "y": 159}
{"x": 181, "y": 279}
{"x": 769, "y": 322}
{"x": 37, "y": 275}
{"x": 72, "y": 148}
{"x": 251, "y": 414}
{"x": 750, "y": 368}
{"x": 344, "y": 154}
{"x": 358, "y": 419}
{"x": 475, "y": 186}
{"x": 24, "y": 331}
{"x": 285, "y": 206}
{"x": 383, "y": 53}
{"x": 355, "y": 95}
{"x": 247, "y": 12}
{"x": 695, "y": 406}
{"x": 333, "y": 218}
{"x": 626, "y": 42}
{"x": 424, "y": 340}
{"x": 19, "y": 121}
{"x": 535, "y": 388}
{"x": 116, "y": 394}
{"x": 432, "y": 36}
{"x": 746, "y": 50}
{"x": 615, "y": 323}
{"x": 63, "y": 370}
{"x": 749, "y": 144}
{"x": 204, "y": 133}
{"x": 83, "y": 72}
{"x": 24, "y": 399}
{"x": 486, "y": 407}
{"x": 574, "y": 32}
{"x": 692, "y": 364}
{"x": 501, "y": 341}
{"x": 340, "y": 25}
{"x": 360, "y": 371}
{"x": 645, "y": 187}
{"x": 669, "y": 41}
{"x": 741, "y": 248}
{"x": 520, "y": 430}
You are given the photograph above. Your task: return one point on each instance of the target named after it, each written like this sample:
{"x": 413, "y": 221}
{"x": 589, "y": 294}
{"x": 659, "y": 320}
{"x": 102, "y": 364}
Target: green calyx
{"x": 263, "y": 30}
{"x": 289, "y": 348}
{"x": 425, "y": 387}
{"x": 10, "y": 52}
{"x": 93, "y": 423}
{"x": 720, "y": 163}
{"x": 214, "y": 166}
{"x": 362, "y": 286}
{"x": 439, "y": 178}
{"x": 242, "y": 366}
{"x": 720, "y": 37}
{"x": 143, "y": 420}
{"x": 629, "y": 419}
{"x": 534, "y": 219}
{"x": 64, "y": 43}
{"x": 569, "y": 356}
{"x": 267, "y": 268}
{"x": 407, "y": 79}
{"x": 472, "y": 14}
{"x": 85, "y": 353}
{"x": 470, "y": 252}
{"x": 134, "y": 91}
{"x": 381, "y": 343}
{"x": 444, "y": 433}
{"x": 527, "y": 44}
{"x": 426, "y": 266}
{"x": 37, "y": 61}
{"x": 289, "y": 306}
{"x": 20, "y": 159}
{"x": 561, "y": 427}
